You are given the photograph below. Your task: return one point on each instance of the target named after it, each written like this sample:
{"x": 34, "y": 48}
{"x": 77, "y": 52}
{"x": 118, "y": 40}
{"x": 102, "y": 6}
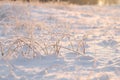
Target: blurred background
{"x": 81, "y": 2}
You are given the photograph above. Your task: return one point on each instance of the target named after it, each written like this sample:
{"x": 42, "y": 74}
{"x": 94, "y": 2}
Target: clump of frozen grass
{"x": 21, "y": 46}
{"x": 29, "y": 37}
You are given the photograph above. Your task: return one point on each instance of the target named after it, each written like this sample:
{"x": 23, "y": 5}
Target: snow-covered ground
{"x": 54, "y": 41}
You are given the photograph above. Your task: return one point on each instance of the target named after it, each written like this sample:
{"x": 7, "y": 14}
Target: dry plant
{"x": 26, "y": 42}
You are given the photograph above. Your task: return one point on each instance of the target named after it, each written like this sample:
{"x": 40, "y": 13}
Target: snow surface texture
{"x": 59, "y": 42}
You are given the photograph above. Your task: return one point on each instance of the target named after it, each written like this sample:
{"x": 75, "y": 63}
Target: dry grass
{"x": 20, "y": 24}
{"x": 28, "y": 43}
{"x": 31, "y": 38}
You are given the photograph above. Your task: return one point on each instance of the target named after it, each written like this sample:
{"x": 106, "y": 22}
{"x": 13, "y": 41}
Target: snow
{"x": 59, "y": 42}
